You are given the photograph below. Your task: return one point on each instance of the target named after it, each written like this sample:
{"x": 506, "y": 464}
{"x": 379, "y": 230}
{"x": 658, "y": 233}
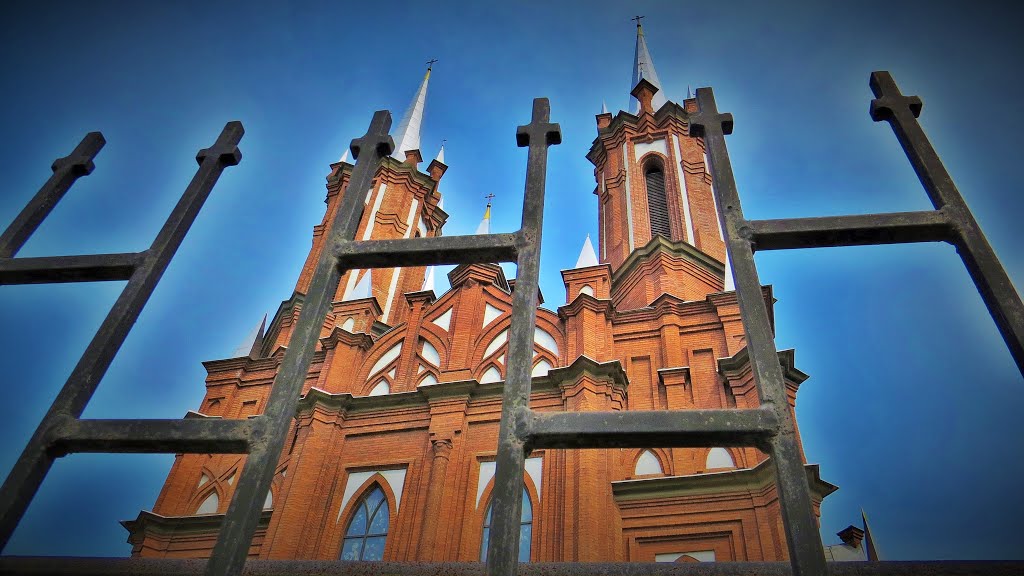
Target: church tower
{"x": 393, "y": 447}
{"x": 658, "y": 222}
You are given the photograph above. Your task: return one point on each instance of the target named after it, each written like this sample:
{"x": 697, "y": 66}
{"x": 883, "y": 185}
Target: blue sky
{"x": 913, "y": 401}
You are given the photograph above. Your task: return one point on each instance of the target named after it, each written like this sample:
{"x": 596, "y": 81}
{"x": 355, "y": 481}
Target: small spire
{"x": 688, "y": 94}
{"x": 643, "y": 67}
{"x": 604, "y": 107}
{"x": 428, "y": 280}
{"x": 587, "y": 255}
{"x": 407, "y": 136}
{"x": 440, "y": 203}
{"x": 344, "y": 157}
{"x": 869, "y": 541}
{"x": 485, "y": 224}
{"x": 363, "y": 288}
{"x": 253, "y": 342}
{"x": 440, "y": 153}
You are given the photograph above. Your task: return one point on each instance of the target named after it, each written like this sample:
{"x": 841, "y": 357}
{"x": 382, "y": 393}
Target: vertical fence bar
{"x": 503, "y": 548}
{"x": 234, "y": 540}
{"x": 805, "y": 549}
{"x": 35, "y": 461}
{"x": 66, "y": 171}
{"x": 989, "y": 276}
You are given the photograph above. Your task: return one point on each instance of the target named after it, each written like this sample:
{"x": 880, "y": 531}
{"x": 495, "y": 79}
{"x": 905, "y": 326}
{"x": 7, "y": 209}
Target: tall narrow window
{"x": 657, "y": 202}
{"x": 368, "y": 529}
{"x": 525, "y": 530}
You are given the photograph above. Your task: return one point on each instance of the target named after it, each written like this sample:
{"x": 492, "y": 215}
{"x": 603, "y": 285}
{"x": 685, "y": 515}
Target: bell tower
{"x": 658, "y": 222}
{"x": 402, "y": 202}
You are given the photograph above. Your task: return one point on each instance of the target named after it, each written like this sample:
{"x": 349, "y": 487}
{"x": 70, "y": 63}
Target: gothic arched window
{"x": 657, "y": 203}
{"x": 525, "y": 530}
{"x": 368, "y": 529}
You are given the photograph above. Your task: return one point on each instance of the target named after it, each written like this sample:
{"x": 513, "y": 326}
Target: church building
{"x": 391, "y": 455}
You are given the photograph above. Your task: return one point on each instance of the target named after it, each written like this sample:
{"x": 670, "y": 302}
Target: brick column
{"x": 442, "y": 451}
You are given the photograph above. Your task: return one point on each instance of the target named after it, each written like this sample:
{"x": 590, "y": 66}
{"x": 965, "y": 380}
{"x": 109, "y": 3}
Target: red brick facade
{"x": 404, "y": 393}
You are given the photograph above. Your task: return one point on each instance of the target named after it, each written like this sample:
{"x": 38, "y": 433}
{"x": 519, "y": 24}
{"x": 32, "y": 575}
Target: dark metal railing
{"x": 769, "y": 427}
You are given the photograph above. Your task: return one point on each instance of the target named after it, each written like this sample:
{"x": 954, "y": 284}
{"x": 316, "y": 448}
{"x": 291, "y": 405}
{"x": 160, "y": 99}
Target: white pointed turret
{"x": 407, "y": 136}
{"x": 587, "y": 255}
{"x": 253, "y": 342}
{"x": 485, "y": 224}
{"x": 604, "y": 107}
{"x": 440, "y": 154}
{"x": 344, "y": 157}
{"x": 428, "y": 281}
{"x": 363, "y": 288}
{"x": 643, "y": 67}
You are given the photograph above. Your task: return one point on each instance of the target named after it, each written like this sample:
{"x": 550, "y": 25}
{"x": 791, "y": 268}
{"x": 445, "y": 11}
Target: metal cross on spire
{"x": 637, "y": 19}
{"x": 489, "y": 196}
{"x": 430, "y": 63}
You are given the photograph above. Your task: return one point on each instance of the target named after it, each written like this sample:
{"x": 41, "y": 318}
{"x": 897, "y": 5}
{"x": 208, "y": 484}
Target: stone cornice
{"x": 483, "y": 273}
{"x": 422, "y": 396}
{"x": 739, "y": 363}
{"x": 659, "y": 244}
{"x": 624, "y": 122}
{"x": 151, "y": 523}
{"x": 611, "y": 370}
{"x": 338, "y": 335}
{"x": 744, "y": 479}
{"x": 407, "y": 171}
{"x": 585, "y": 302}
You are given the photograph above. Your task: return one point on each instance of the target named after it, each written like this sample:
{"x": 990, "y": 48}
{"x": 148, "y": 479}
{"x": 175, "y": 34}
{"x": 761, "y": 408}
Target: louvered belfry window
{"x": 657, "y": 203}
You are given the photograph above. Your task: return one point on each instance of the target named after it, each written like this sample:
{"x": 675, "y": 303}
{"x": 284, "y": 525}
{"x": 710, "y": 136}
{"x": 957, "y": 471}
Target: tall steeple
{"x": 407, "y": 135}
{"x": 485, "y": 224}
{"x": 643, "y": 68}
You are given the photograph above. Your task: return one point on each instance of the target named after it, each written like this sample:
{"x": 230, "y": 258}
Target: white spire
{"x": 253, "y": 341}
{"x": 407, "y": 136}
{"x": 643, "y": 67}
{"x": 587, "y": 255}
{"x": 344, "y": 157}
{"x": 440, "y": 153}
{"x": 485, "y": 224}
{"x": 363, "y": 288}
{"x": 604, "y": 107}
{"x": 428, "y": 281}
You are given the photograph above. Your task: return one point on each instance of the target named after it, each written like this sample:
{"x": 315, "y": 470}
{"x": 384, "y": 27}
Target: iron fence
{"x": 769, "y": 427}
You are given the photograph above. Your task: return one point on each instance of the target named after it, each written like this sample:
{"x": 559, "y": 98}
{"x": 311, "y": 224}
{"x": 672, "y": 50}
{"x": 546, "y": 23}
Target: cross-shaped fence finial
{"x": 376, "y": 137}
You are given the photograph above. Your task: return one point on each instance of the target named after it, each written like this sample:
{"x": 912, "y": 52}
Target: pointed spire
{"x": 643, "y": 67}
{"x": 485, "y": 224}
{"x": 440, "y": 153}
{"x": 407, "y": 136}
{"x": 688, "y": 93}
{"x": 253, "y": 342}
{"x": 344, "y": 157}
{"x": 587, "y": 255}
{"x": 869, "y": 541}
{"x": 604, "y": 107}
{"x": 363, "y": 288}
{"x": 428, "y": 281}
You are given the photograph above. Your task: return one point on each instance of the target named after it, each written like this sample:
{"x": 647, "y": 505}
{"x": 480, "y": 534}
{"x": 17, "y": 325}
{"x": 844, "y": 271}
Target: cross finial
{"x": 489, "y": 196}
{"x": 637, "y": 19}
{"x": 430, "y": 63}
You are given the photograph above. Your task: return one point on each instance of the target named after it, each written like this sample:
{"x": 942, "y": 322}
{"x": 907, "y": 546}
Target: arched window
{"x": 646, "y": 464}
{"x": 657, "y": 203}
{"x": 525, "y": 530}
{"x": 210, "y": 505}
{"x": 368, "y": 529}
{"x": 719, "y": 458}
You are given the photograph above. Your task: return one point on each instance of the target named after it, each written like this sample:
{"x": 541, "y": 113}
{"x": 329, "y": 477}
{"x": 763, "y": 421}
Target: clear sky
{"x": 913, "y": 406}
